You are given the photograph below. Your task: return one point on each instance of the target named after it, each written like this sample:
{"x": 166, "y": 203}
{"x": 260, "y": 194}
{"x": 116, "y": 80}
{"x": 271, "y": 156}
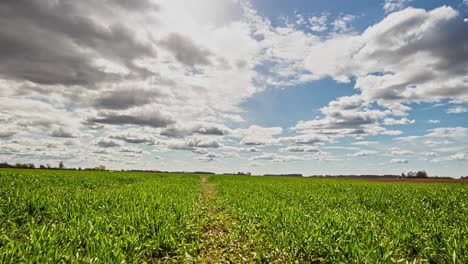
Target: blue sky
{"x": 311, "y": 87}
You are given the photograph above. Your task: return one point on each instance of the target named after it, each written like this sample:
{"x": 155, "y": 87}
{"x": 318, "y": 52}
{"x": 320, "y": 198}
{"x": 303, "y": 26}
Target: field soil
{"x": 221, "y": 243}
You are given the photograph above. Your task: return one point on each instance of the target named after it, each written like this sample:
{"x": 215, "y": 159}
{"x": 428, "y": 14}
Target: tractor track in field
{"x": 221, "y": 243}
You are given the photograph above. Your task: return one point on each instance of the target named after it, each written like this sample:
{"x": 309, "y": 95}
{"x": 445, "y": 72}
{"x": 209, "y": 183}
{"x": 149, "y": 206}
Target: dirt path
{"x": 221, "y": 243}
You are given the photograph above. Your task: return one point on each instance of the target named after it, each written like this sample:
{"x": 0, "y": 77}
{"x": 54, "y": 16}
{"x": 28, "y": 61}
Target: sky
{"x": 312, "y": 87}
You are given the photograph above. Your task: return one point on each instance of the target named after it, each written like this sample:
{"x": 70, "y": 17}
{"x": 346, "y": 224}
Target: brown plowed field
{"x": 408, "y": 180}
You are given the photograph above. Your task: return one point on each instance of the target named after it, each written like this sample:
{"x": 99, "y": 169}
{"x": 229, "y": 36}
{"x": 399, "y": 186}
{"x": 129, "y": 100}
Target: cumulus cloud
{"x": 7, "y": 134}
{"x": 346, "y": 116}
{"x": 125, "y": 98}
{"x": 430, "y": 154}
{"x": 131, "y": 150}
{"x": 201, "y": 128}
{"x": 440, "y": 132}
{"x": 35, "y": 116}
{"x": 307, "y": 139}
{"x": 457, "y": 110}
{"x": 242, "y": 149}
{"x": 365, "y": 143}
{"x": 363, "y": 153}
{"x": 403, "y": 121}
{"x": 458, "y": 156}
{"x": 393, "y": 5}
{"x": 433, "y": 143}
{"x": 318, "y": 23}
{"x": 106, "y": 143}
{"x": 399, "y": 161}
{"x": 401, "y": 152}
{"x": 55, "y": 42}
{"x": 257, "y": 135}
{"x": 192, "y": 144}
{"x": 408, "y": 75}
{"x": 250, "y": 150}
{"x": 186, "y": 51}
{"x": 140, "y": 116}
{"x": 403, "y": 75}
{"x": 134, "y": 138}
{"x": 448, "y": 132}
{"x": 300, "y": 149}
{"x": 342, "y": 24}
{"x": 211, "y": 156}
{"x": 277, "y": 158}
{"x": 405, "y": 57}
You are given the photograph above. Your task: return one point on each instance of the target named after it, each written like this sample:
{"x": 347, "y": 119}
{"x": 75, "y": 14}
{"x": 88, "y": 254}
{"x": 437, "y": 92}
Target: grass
{"x": 114, "y": 217}
{"x": 64, "y": 216}
{"x": 325, "y": 220}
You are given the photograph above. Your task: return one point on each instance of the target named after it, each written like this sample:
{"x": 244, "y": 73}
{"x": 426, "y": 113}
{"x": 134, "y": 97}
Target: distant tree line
{"x": 413, "y": 174}
{"x": 60, "y": 166}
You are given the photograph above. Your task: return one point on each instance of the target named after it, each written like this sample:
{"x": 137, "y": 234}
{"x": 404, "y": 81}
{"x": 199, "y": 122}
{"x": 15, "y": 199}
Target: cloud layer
{"x": 137, "y": 78}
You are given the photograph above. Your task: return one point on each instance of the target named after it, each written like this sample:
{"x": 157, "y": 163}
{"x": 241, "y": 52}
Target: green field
{"x": 119, "y": 217}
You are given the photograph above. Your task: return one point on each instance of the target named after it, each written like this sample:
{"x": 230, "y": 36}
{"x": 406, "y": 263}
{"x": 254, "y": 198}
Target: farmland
{"x": 120, "y": 217}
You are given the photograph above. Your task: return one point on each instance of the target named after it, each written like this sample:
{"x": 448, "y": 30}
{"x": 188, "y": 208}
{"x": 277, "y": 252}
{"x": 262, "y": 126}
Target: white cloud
{"x": 457, "y": 110}
{"x": 300, "y": 149}
{"x": 399, "y": 161}
{"x": 433, "y": 121}
{"x": 257, "y": 135}
{"x": 318, "y": 23}
{"x": 342, "y": 24}
{"x": 363, "y": 153}
{"x": 450, "y": 149}
{"x": 403, "y": 121}
{"x": 106, "y": 143}
{"x": 430, "y": 154}
{"x": 346, "y": 116}
{"x": 433, "y": 143}
{"x": 440, "y": 132}
{"x": 365, "y": 143}
{"x": 401, "y": 152}
{"x": 277, "y": 158}
{"x": 393, "y": 5}
{"x": 458, "y": 156}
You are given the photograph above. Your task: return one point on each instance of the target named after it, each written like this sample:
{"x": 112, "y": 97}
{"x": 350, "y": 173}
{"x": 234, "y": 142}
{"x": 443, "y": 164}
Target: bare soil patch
{"x": 221, "y": 244}
{"x": 427, "y": 180}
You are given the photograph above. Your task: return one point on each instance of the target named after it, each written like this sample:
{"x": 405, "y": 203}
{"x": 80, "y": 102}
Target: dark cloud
{"x": 193, "y": 144}
{"x": 203, "y": 143}
{"x": 63, "y": 133}
{"x": 7, "y": 134}
{"x": 210, "y": 129}
{"x": 55, "y": 42}
{"x": 134, "y": 138}
{"x": 106, "y": 143}
{"x": 185, "y": 51}
{"x": 198, "y": 128}
{"x": 131, "y": 150}
{"x": 304, "y": 140}
{"x": 174, "y": 132}
{"x": 254, "y": 142}
{"x": 137, "y": 5}
{"x": 152, "y": 118}
{"x": 300, "y": 149}
{"x": 125, "y": 98}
